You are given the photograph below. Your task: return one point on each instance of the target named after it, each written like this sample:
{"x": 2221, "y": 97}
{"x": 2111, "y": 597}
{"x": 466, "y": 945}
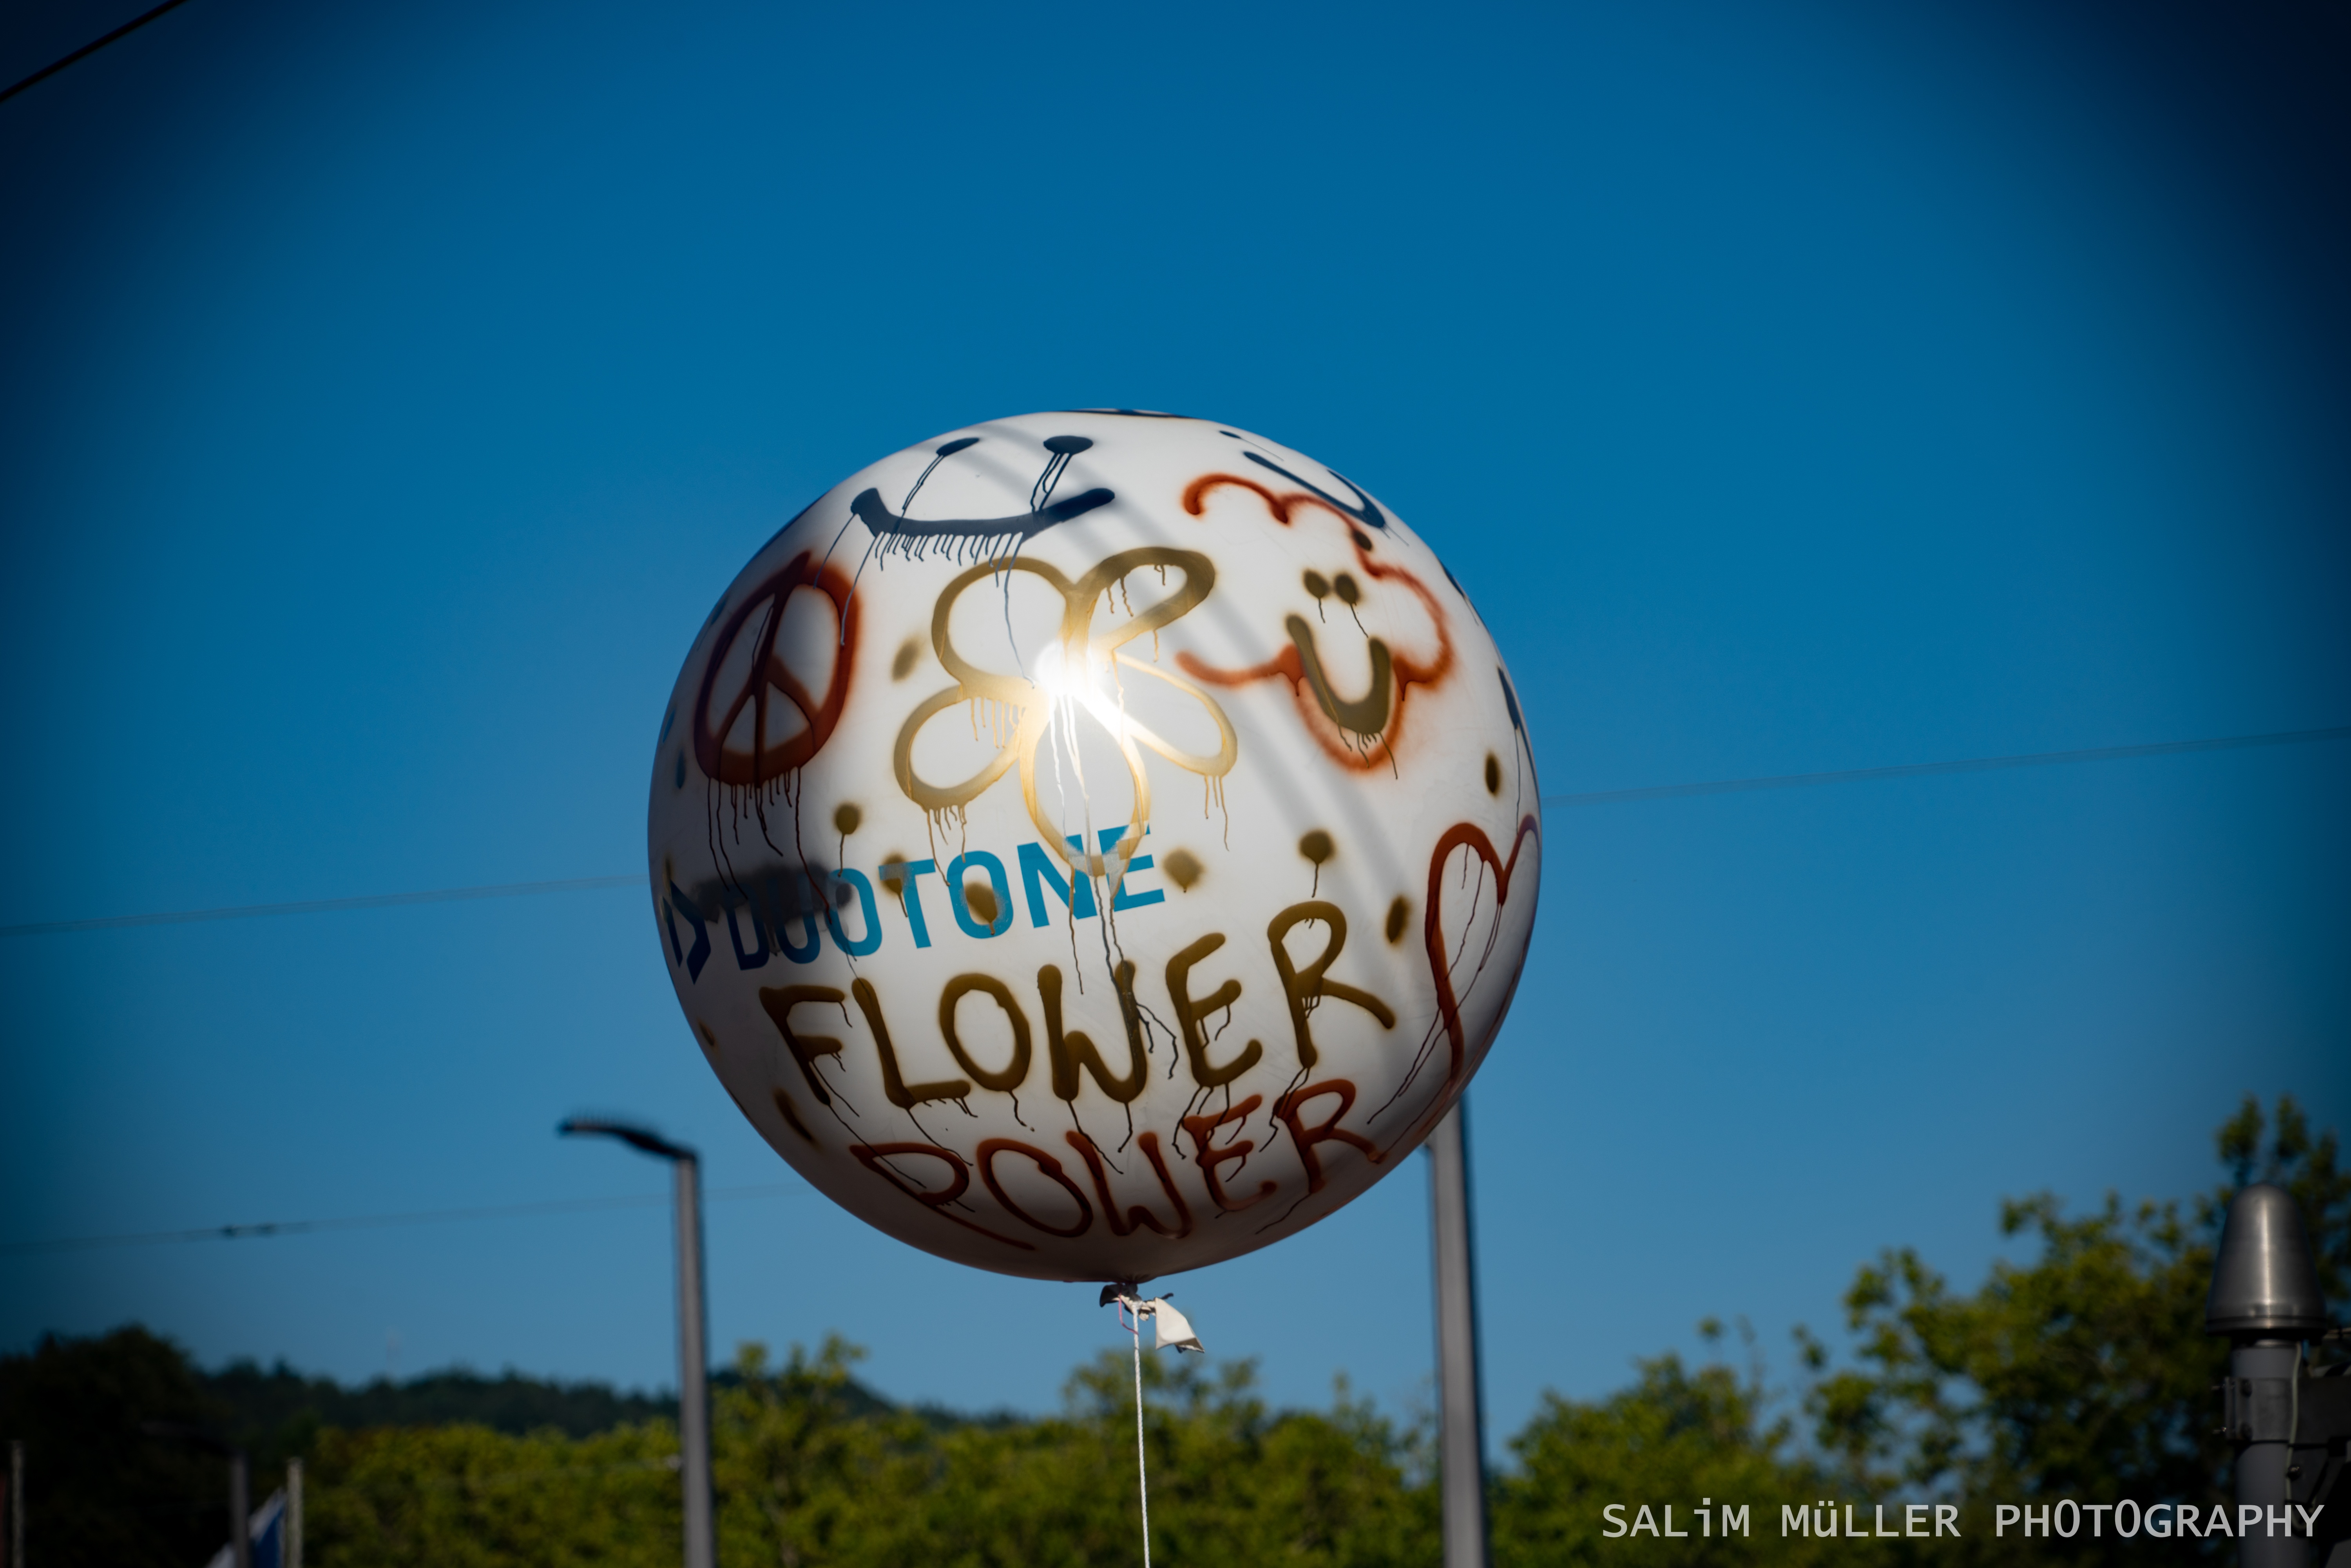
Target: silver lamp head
{"x": 2264, "y": 1285}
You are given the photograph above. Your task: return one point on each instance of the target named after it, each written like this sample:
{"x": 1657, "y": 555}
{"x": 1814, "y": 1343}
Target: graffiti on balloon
{"x": 1357, "y": 733}
{"x": 755, "y": 722}
{"x": 1309, "y": 1111}
{"x": 1211, "y": 1157}
{"x": 764, "y": 752}
{"x": 1526, "y": 746}
{"x": 1089, "y": 666}
{"x": 1366, "y": 510}
{"x": 1124, "y": 1217}
{"x": 1304, "y": 989}
{"x": 1072, "y": 1054}
{"x": 877, "y": 1158}
{"x": 1139, "y": 1216}
{"x": 1482, "y": 859}
{"x": 892, "y": 533}
{"x": 786, "y": 911}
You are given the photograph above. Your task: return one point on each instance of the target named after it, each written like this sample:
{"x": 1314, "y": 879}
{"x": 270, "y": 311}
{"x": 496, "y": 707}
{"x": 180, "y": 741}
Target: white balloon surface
{"x": 1094, "y": 844}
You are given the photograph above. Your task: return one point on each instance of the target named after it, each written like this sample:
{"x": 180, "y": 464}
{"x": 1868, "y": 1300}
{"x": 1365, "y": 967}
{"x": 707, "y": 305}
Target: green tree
{"x": 102, "y": 1490}
{"x": 1676, "y": 1436}
{"x": 807, "y": 1474}
{"x": 802, "y": 1481}
{"x": 2309, "y": 1167}
{"x": 1234, "y": 1482}
{"x": 805, "y": 1471}
{"x": 2085, "y": 1373}
{"x": 468, "y": 1497}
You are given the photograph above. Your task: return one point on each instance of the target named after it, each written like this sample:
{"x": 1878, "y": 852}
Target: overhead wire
{"x": 1565, "y": 801}
{"x": 54, "y": 66}
{"x": 1964, "y": 765}
{"x": 578, "y": 884}
{"x": 380, "y": 1221}
{"x": 326, "y": 905}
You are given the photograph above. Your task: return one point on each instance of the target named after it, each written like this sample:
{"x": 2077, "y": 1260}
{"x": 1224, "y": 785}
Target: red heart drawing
{"x": 1461, "y": 835}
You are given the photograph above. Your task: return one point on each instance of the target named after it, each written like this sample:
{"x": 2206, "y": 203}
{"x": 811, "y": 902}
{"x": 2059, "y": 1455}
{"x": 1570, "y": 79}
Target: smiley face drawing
{"x": 1352, "y": 690}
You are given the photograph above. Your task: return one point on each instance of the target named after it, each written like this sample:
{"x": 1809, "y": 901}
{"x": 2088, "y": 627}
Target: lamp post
{"x": 2286, "y": 1420}
{"x": 693, "y": 1359}
{"x": 1460, "y": 1427}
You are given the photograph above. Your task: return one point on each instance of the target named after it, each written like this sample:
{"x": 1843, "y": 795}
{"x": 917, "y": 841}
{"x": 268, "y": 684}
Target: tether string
{"x": 1142, "y": 1478}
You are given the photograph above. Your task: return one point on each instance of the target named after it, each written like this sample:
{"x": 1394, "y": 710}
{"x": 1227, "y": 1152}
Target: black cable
{"x": 1594, "y": 798}
{"x": 379, "y": 1222}
{"x": 1920, "y": 769}
{"x": 326, "y": 905}
{"x": 54, "y": 66}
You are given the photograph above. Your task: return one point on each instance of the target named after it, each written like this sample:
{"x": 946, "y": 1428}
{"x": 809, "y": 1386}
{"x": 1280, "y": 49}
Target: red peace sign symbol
{"x": 767, "y": 677}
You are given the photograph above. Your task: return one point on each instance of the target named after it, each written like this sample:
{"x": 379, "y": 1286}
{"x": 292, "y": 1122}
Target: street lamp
{"x": 693, "y": 1360}
{"x": 1460, "y": 1425}
{"x": 2286, "y": 1421}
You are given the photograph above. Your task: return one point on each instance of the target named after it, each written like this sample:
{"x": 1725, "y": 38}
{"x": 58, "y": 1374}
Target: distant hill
{"x": 113, "y": 1492}
{"x": 280, "y": 1400}
{"x": 279, "y": 1409}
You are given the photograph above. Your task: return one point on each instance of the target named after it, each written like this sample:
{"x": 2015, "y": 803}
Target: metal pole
{"x": 693, "y": 1367}
{"x": 240, "y": 1510}
{"x": 292, "y": 1526}
{"x": 693, "y": 1325}
{"x": 16, "y": 1503}
{"x": 1460, "y": 1430}
{"x": 2262, "y": 1478}
{"x": 2265, "y": 1298}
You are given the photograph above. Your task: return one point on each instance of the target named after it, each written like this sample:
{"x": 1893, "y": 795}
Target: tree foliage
{"x": 2084, "y": 1373}
{"x": 1687, "y": 1438}
{"x": 803, "y": 1477}
{"x": 278, "y": 1408}
{"x": 106, "y": 1491}
{"x": 2081, "y": 1370}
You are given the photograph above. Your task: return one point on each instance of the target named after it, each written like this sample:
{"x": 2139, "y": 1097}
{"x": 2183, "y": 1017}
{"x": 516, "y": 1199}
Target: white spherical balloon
{"x": 1094, "y": 844}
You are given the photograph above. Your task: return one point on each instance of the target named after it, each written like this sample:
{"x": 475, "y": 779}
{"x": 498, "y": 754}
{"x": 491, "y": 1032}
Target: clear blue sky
{"x": 387, "y": 391}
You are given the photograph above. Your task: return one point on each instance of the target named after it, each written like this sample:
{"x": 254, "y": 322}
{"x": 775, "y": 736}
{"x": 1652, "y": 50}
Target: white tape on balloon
{"x": 1094, "y": 844}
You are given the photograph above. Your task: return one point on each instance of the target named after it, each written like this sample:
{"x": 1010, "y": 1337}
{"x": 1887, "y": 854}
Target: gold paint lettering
{"x": 1138, "y": 1215}
{"x": 901, "y": 1093}
{"x": 791, "y": 1116}
{"x": 1307, "y": 986}
{"x": 1191, "y": 1012}
{"x": 1075, "y": 1050}
{"x": 779, "y": 1001}
{"x": 1014, "y": 1072}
